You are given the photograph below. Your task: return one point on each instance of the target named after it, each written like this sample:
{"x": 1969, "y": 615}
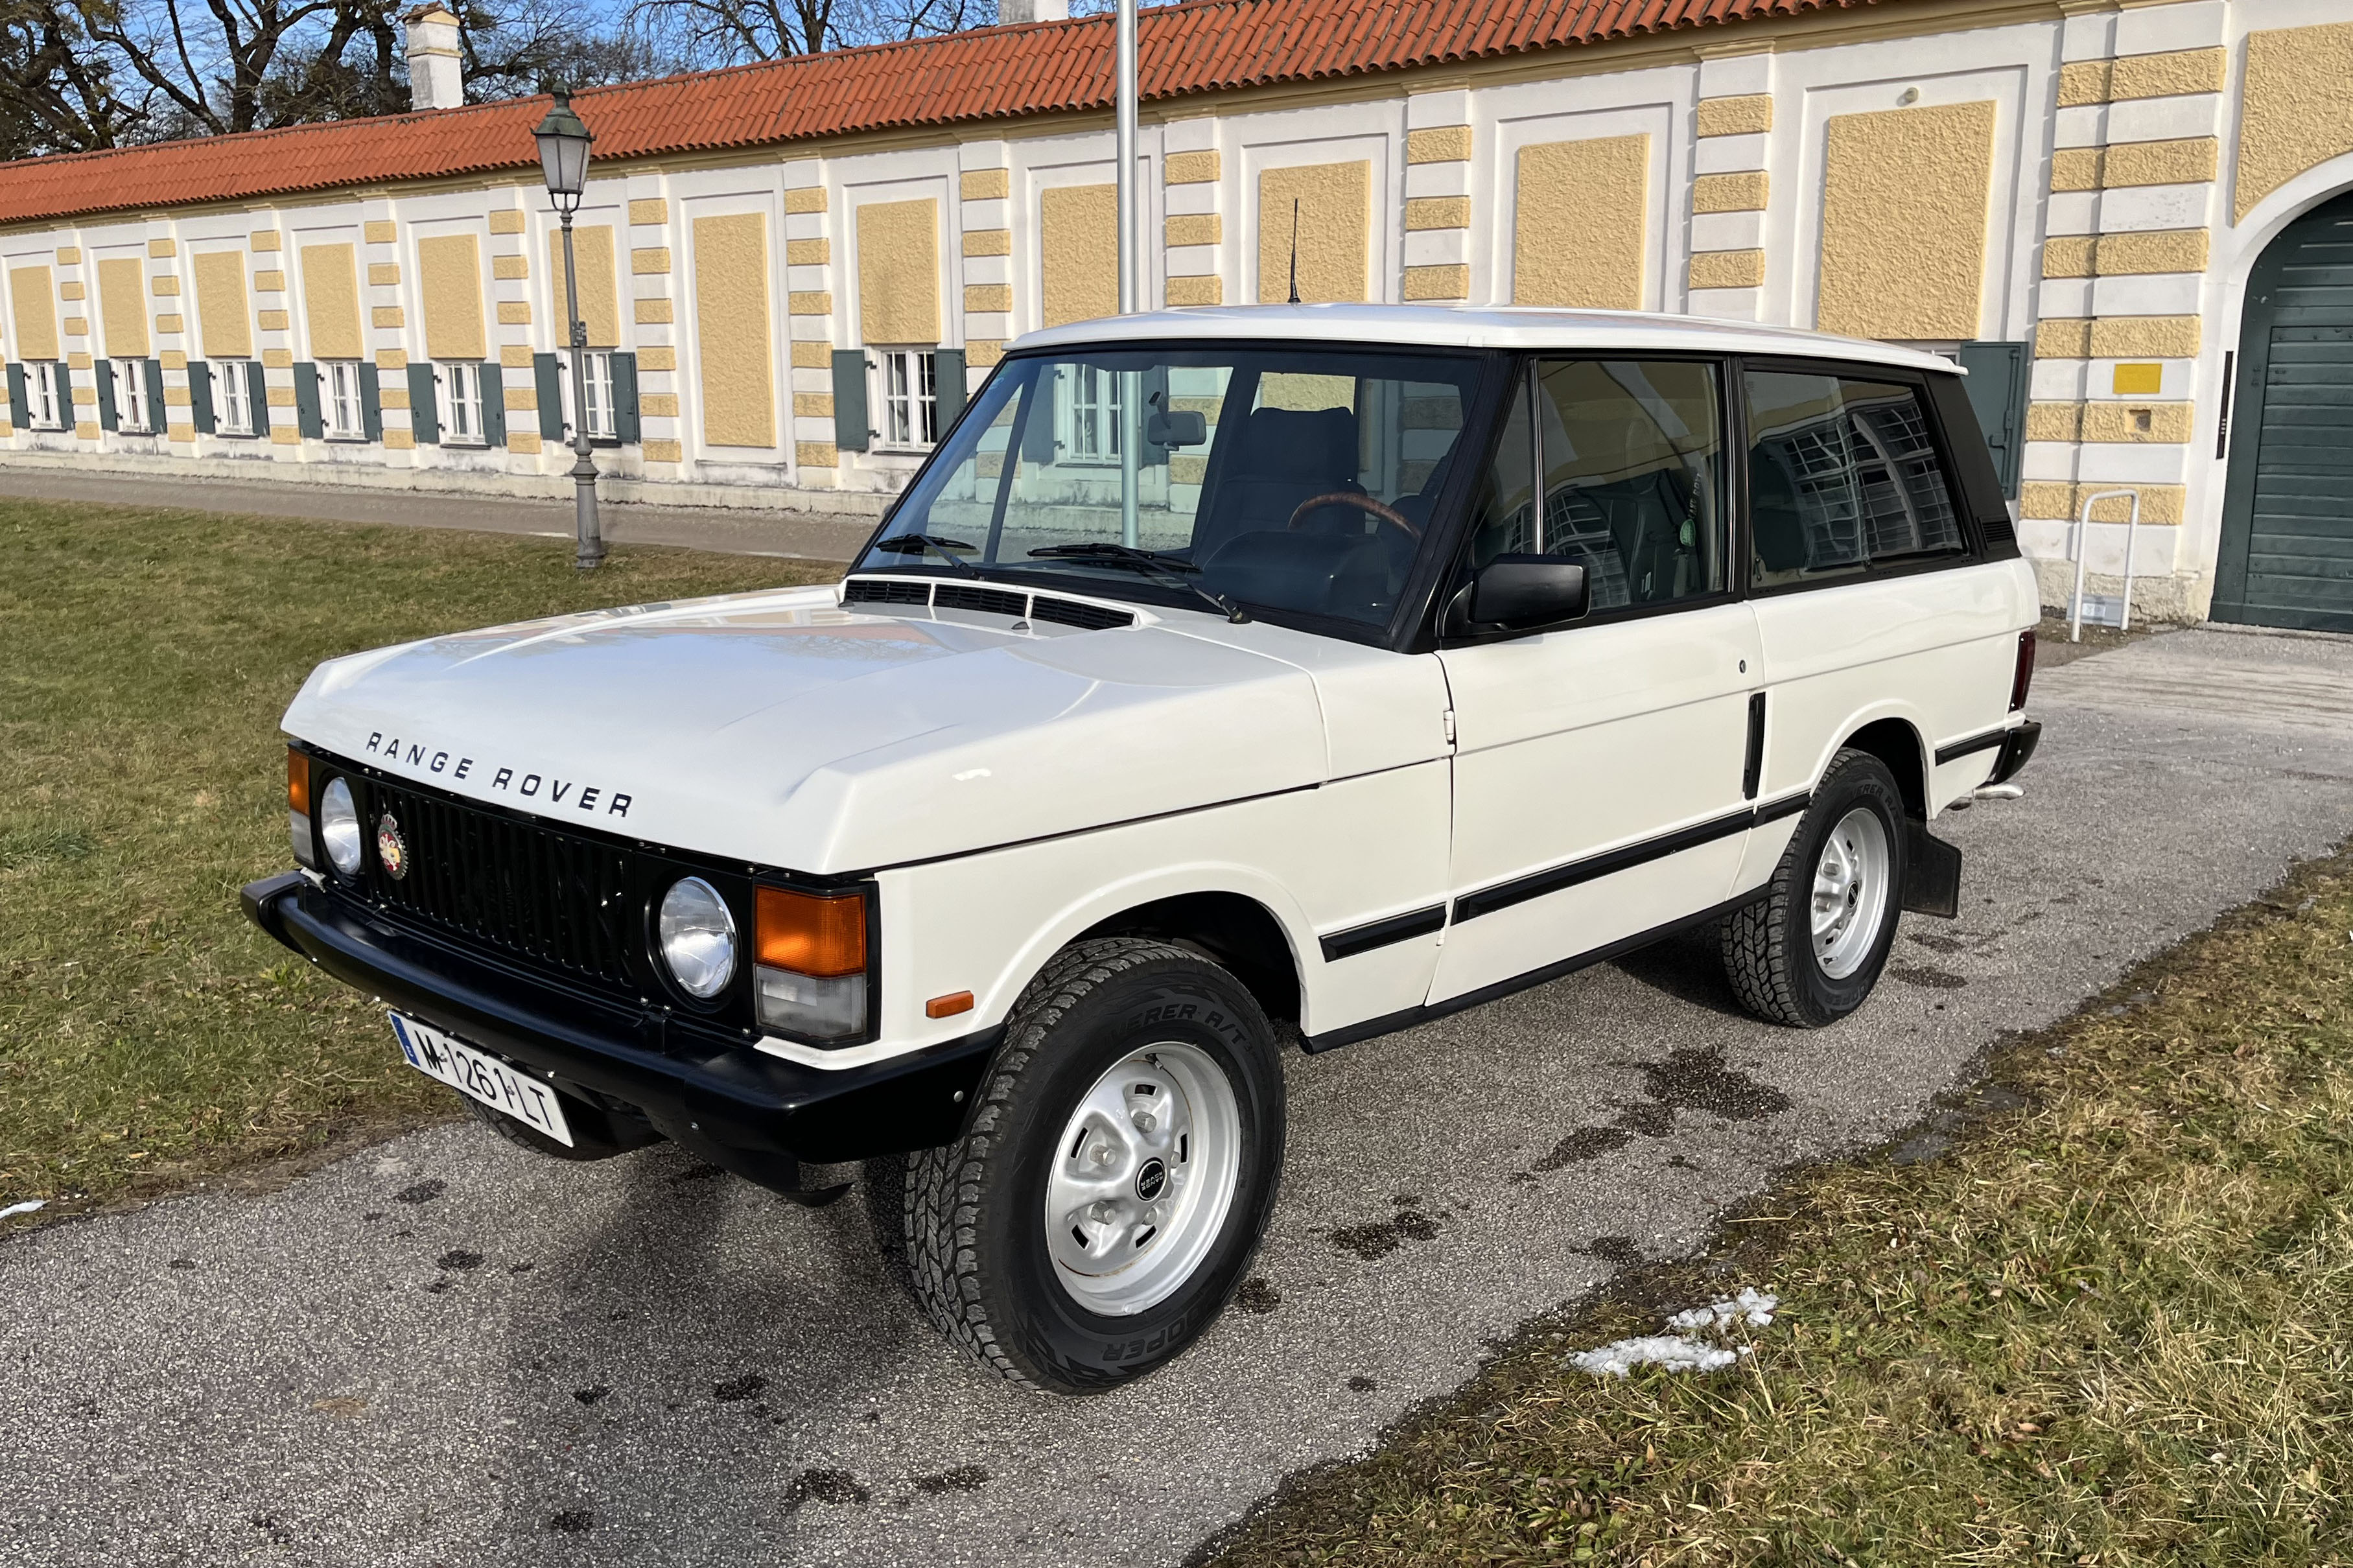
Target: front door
{"x": 2287, "y": 514}
{"x": 1598, "y": 787}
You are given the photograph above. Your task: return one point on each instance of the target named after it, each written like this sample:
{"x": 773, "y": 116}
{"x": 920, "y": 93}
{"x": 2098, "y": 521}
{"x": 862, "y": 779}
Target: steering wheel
{"x": 1373, "y": 504}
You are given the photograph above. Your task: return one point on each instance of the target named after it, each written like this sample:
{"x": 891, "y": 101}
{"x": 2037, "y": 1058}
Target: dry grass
{"x": 148, "y": 1035}
{"x": 2109, "y": 1327}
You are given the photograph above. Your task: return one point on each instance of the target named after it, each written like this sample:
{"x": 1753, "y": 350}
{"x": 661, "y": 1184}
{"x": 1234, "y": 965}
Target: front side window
{"x": 131, "y": 413}
{"x": 910, "y": 397}
{"x": 1631, "y": 455}
{"x": 344, "y": 418}
{"x": 1294, "y": 480}
{"x": 461, "y": 413}
{"x": 1842, "y": 476}
{"x": 232, "y": 397}
{"x": 41, "y": 383}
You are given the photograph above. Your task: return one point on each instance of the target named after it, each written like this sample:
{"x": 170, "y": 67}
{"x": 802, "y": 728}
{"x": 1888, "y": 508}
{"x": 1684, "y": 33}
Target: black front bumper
{"x": 739, "y": 1108}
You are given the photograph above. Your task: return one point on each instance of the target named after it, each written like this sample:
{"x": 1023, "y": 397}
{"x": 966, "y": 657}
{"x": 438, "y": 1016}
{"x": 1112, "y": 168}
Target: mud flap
{"x": 1932, "y": 874}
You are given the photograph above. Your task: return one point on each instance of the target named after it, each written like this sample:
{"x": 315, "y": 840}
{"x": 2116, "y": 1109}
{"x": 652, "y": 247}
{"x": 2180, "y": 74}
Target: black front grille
{"x": 990, "y": 601}
{"x": 528, "y": 890}
{"x": 1075, "y": 612}
{"x": 873, "y": 591}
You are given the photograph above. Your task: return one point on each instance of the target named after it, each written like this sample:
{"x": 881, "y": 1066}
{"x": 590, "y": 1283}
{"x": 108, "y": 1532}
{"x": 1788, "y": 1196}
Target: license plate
{"x": 485, "y": 1077}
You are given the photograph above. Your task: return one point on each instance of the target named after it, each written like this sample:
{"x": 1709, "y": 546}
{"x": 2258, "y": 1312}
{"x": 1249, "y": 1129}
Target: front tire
{"x": 1118, "y": 1171}
{"x": 1809, "y": 950}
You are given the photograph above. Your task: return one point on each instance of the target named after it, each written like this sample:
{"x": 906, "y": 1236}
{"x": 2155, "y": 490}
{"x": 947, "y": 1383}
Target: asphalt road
{"x": 444, "y": 1351}
{"x": 735, "y": 530}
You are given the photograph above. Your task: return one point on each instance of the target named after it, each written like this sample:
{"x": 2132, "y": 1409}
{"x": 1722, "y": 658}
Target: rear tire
{"x": 1809, "y": 950}
{"x": 1118, "y": 1169}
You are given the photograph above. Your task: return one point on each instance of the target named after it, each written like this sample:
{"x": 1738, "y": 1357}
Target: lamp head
{"x": 564, "y": 152}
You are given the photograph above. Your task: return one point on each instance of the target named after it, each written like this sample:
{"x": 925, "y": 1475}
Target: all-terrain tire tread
{"x": 943, "y": 1185}
{"x": 1758, "y": 958}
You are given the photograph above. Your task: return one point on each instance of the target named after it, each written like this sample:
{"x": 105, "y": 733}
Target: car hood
{"x": 783, "y": 729}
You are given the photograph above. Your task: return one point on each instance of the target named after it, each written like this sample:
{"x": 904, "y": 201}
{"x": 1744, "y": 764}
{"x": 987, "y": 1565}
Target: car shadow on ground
{"x": 1687, "y": 966}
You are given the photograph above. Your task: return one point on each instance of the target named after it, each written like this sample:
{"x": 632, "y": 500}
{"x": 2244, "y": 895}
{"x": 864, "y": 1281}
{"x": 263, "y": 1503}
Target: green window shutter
{"x": 306, "y": 400}
{"x": 103, "y": 373}
{"x": 547, "y": 372}
{"x": 424, "y": 413}
{"x": 371, "y": 403}
{"x": 624, "y": 399}
{"x": 1996, "y": 383}
{"x": 257, "y": 395}
{"x": 64, "y": 384}
{"x": 947, "y": 386}
{"x": 158, "y": 419}
{"x": 850, "y": 424}
{"x": 20, "y": 401}
{"x": 200, "y": 397}
{"x": 495, "y": 404}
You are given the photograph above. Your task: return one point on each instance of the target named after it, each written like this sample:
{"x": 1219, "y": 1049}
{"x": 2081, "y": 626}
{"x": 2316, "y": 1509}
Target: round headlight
{"x": 697, "y": 938}
{"x": 339, "y": 827}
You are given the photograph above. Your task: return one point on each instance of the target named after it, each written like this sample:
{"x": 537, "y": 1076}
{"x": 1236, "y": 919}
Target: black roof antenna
{"x": 1294, "y": 250}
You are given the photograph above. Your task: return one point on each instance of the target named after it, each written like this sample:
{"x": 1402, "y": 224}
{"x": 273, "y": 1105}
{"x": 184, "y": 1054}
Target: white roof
{"x": 1478, "y": 327}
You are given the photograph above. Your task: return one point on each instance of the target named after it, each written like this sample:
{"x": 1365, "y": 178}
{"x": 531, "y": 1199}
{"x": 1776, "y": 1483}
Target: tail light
{"x": 810, "y": 970}
{"x": 298, "y": 807}
{"x": 2023, "y": 676}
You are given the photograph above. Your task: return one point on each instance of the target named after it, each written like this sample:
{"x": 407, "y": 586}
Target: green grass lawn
{"x": 148, "y": 1033}
{"x": 2111, "y": 1326}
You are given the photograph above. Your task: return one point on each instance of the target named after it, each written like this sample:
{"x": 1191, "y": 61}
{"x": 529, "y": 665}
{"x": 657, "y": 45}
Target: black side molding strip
{"x": 1390, "y": 1024}
{"x": 1382, "y": 932}
{"x": 1537, "y": 884}
{"x": 1959, "y": 749}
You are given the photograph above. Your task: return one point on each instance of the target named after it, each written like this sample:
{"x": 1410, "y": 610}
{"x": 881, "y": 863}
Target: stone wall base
{"x": 454, "y": 481}
{"x": 2181, "y": 598}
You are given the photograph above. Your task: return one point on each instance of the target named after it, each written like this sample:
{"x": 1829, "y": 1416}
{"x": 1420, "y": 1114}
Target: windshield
{"x": 1276, "y": 477}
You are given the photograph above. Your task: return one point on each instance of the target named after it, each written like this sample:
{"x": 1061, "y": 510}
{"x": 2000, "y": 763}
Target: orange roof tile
{"x": 990, "y": 73}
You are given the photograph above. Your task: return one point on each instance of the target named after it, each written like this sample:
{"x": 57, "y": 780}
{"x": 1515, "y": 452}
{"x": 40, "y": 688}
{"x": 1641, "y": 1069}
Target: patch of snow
{"x": 1684, "y": 1349}
{"x": 28, "y": 1206}
{"x": 1752, "y": 1307}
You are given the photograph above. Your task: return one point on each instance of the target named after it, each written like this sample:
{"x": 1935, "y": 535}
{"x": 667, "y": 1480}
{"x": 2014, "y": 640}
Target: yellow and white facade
{"x": 2093, "y": 180}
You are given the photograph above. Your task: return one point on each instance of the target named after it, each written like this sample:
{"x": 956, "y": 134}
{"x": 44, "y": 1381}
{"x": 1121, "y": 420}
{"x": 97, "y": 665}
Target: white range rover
{"x": 1227, "y": 681}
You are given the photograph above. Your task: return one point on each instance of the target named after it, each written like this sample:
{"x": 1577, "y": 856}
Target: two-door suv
{"x": 1228, "y": 680}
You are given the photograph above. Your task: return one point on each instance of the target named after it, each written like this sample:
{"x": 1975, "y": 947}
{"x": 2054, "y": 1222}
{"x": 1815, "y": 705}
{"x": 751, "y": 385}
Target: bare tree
{"x": 56, "y": 93}
{"x": 704, "y": 33}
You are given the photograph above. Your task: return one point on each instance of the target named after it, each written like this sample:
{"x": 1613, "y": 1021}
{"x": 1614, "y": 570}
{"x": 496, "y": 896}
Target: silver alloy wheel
{"x": 1142, "y": 1179}
{"x": 1851, "y": 890}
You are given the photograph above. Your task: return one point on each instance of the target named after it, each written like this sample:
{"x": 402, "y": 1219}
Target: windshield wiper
{"x": 1168, "y": 568}
{"x": 916, "y": 543}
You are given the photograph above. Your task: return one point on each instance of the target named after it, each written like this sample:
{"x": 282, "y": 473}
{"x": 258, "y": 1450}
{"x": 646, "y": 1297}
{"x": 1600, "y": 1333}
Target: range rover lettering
{"x": 1226, "y": 682}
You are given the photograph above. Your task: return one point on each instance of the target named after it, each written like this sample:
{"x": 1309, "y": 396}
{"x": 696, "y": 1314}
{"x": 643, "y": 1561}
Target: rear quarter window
{"x": 1845, "y": 475}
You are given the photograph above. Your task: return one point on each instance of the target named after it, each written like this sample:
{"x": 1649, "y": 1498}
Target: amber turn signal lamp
{"x": 298, "y": 782}
{"x": 811, "y": 936}
{"x": 949, "y": 1006}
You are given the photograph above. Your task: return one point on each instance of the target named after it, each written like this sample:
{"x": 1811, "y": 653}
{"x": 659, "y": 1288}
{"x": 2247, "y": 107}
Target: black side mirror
{"x": 1520, "y": 593}
{"x": 1176, "y": 428}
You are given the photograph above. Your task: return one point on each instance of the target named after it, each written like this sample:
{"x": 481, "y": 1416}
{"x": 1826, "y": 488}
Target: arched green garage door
{"x": 2287, "y": 517}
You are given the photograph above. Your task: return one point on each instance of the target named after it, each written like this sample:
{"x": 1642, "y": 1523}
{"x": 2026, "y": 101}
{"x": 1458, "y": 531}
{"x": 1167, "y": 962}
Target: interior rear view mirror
{"x": 1178, "y": 427}
{"x": 1520, "y": 593}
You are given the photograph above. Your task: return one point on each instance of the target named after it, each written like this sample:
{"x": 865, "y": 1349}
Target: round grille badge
{"x": 1151, "y": 1180}
{"x": 391, "y": 848}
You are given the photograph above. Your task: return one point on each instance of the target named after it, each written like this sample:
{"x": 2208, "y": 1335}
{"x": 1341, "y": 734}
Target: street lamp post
{"x": 564, "y": 159}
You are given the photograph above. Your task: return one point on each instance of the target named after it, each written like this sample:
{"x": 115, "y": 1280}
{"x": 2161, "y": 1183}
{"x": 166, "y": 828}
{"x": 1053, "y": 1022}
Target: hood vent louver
{"x": 1075, "y": 612}
{"x": 987, "y": 600}
{"x": 881, "y": 591}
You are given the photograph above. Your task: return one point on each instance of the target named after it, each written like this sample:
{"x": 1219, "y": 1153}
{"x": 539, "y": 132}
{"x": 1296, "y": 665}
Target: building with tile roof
{"x": 792, "y": 272}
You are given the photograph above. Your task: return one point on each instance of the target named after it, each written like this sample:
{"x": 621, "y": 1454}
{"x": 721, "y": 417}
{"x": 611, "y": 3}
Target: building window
{"x": 910, "y": 397}
{"x": 461, "y": 422}
{"x": 131, "y": 415}
{"x": 41, "y": 380}
{"x": 232, "y": 398}
{"x": 1092, "y": 430}
{"x": 597, "y": 366}
{"x": 340, "y": 408}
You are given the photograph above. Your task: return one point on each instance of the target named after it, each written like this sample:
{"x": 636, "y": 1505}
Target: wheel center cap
{"x": 1150, "y": 1180}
